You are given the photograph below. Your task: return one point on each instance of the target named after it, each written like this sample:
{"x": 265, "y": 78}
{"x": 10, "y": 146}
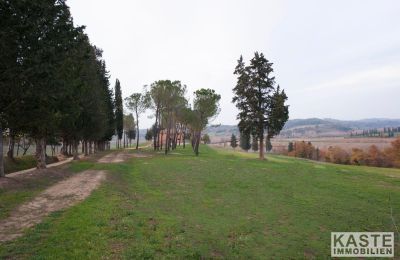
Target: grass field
{"x": 222, "y": 204}
{"x": 23, "y": 163}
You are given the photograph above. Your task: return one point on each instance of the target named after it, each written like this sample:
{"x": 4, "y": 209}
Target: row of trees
{"x": 175, "y": 119}
{"x": 261, "y": 104}
{"x": 54, "y": 84}
{"x": 373, "y": 156}
{"x": 246, "y": 143}
{"x": 385, "y": 132}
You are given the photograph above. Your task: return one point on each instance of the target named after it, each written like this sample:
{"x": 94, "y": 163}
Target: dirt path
{"x": 116, "y": 157}
{"x": 57, "y": 197}
{"x": 122, "y": 156}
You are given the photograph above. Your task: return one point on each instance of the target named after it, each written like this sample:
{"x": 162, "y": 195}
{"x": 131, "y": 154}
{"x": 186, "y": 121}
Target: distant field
{"x": 322, "y": 143}
{"x": 222, "y": 204}
{"x": 345, "y": 143}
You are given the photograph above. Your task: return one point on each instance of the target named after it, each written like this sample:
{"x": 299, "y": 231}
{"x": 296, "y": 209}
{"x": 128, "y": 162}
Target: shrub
{"x": 337, "y": 155}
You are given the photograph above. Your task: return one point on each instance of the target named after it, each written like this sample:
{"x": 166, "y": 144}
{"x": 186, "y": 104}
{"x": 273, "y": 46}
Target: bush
{"x": 337, "y": 155}
{"x": 358, "y": 156}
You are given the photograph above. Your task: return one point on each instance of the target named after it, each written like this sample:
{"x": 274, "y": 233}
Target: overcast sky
{"x": 336, "y": 59}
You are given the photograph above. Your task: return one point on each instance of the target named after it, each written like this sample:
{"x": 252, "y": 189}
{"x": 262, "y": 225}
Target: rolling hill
{"x": 312, "y": 127}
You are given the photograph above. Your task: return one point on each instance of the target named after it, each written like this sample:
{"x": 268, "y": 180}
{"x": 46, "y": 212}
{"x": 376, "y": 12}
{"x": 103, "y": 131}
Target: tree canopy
{"x": 54, "y": 83}
{"x": 261, "y": 106}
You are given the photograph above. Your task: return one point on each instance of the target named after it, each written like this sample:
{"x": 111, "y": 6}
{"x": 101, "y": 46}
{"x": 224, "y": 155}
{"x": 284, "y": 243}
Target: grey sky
{"x": 337, "y": 59}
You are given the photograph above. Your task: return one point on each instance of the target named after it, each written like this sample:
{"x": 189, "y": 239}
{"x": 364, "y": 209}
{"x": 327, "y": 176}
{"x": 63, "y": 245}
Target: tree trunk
{"x": 160, "y": 135}
{"x": 2, "y": 174}
{"x": 261, "y": 152}
{"x": 124, "y": 135}
{"x": 76, "y": 157}
{"x": 137, "y": 130}
{"x": 155, "y": 131}
{"x": 160, "y": 140}
{"x": 18, "y": 145}
{"x": 167, "y": 135}
{"x": 90, "y": 147}
{"x": 10, "y": 153}
{"x": 196, "y": 150}
{"x": 41, "y": 153}
{"x": 184, "y": 138}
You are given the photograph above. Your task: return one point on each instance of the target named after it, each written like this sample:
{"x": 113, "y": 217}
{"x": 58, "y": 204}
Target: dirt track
{"x": 118, "y": 157}
{"x": 57, "y": 197}
{"x": 61, "y": 195}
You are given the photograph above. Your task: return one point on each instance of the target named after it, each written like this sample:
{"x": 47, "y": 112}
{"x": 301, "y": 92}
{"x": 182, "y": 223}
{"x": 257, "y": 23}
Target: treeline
{"x": 385, "y": 132}
{"x": 54, "y": 82}
{"x": 373, "y": 156}
{"x": 175, "y": 119}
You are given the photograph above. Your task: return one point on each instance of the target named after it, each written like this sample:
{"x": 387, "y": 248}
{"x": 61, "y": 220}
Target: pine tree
{"x": 149, "y": 135}
{"x": 268, "y": 145}
{"x": 260, "y": 105}
{"x": 206, "y": 139}
{"x": 254, "y": 144}
{"x": 205, "y": 107}
{"x": 290, "y": 147}
{"x": 233, "y": 141}
{"x": 119, "y": 111}
{"x": 139, "y": 103}
{"x": 245, "y": 141}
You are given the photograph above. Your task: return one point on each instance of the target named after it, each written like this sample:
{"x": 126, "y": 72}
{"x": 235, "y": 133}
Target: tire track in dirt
{"x": 62, "y": 195}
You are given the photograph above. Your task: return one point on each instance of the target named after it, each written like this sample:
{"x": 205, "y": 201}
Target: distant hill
{"x": 312, "y": 127}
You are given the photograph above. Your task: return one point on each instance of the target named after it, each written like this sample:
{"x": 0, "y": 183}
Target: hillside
{"x": 312, "y": 127}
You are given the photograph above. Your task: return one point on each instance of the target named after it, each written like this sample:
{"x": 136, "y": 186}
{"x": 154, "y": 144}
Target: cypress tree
{"x": 254, "y": 144}
{"x": 119, "y": 112}
{"x": 261, "y": 106}
{"x": 245, "y": 141}
{"x": 233, "y": 141}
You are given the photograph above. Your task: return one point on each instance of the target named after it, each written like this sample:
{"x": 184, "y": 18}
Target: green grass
{"x": 222, "y": 204}
{"x": 19, "y": 163}
{"x": 23, "y": 163}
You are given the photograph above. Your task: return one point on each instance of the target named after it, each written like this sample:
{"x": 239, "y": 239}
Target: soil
{"x": 118, "y": 157}
{"x": 57, "y": 197}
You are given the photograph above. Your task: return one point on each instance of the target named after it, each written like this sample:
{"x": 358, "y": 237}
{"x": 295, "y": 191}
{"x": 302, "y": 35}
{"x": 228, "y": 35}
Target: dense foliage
{"x": 54, "y": 83}
{"x": 261, "y": 105}
{"x": 175, "y": 119}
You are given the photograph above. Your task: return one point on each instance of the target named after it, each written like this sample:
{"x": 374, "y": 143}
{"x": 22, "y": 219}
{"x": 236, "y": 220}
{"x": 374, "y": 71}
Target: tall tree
{"x": 206, "y": 139}
{"x": 158, "y": 94}
{"x": 53, "y": 82}
{"x": 205, "y": 107}
{"x": 254, "y": 97}
{"x": 278, "y": 114}
{"x": 149, "y": 135}
{"x": 46, "y": 33}
{"x": 129, "y": 127}
{"x": 233, "y": 141}
{"x": 139, "y": 103}
{"x": 2, "y": 174}
{"x": 245, "y": 141}
{"x": 254, "y": 144}
{"x": 119, "y": 112}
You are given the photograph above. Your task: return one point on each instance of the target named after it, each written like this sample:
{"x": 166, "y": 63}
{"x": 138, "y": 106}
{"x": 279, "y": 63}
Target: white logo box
{"x": 362, "y": 244}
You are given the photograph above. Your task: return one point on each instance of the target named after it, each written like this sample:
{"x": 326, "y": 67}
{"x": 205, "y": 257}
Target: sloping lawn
{"x": 221, "y": 204}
